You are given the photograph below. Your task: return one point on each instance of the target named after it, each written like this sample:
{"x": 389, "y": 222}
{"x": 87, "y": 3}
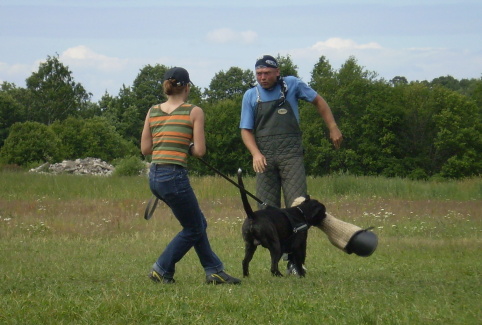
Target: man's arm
{"x": 259, "y": 160}
{"x": 325, "y": 112}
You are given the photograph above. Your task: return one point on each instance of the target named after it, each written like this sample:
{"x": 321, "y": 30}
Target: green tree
{"x": 123, "y": 114}
{"x": 30, "y": 142}
{"x": 225, "y": 149}
{"x": 398, "y": 80}
{"x": 379, "y": 151}
{"x": 476, "y": 94}
{"x": 22, "y": 98}
{"x": 448, "y": 82}
{"x": 229, "y": 85}
{"x": 287, "y": 67}
{"x": 11, "y": 112}
{"x": 350, "y": 92}
{"x": 90, "y": 110}
{"x": 55, "y": 94}
{"x": 72, "y": 144}
{"x": 320, "y": 156}
{"x": 147, "y": 87}
{"x": 323, "y": 80}
{"x": 458, "y": 141}
{"x": 95, "y": 137}
{"x": 418, "y": 131}
{"x": 128, "y": 110}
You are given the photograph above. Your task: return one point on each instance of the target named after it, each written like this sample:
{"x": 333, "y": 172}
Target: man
{"x": 270, "y": 130}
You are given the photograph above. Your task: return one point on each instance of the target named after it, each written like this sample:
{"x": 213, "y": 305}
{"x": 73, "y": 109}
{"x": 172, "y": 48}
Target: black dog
{"x": 280, "y": 231}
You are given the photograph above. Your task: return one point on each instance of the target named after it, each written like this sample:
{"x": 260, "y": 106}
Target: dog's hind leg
{"x": 275, "y": 252}
{"x": 249, "y": 250}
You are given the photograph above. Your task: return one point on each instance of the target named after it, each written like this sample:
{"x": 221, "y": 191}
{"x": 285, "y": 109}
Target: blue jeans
{"x": 170, "y": 183}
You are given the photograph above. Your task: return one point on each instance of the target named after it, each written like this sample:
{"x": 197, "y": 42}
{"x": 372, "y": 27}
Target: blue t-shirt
{"x": 297, "y": 89}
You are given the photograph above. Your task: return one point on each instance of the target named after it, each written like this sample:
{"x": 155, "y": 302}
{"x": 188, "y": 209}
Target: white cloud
{"x": 226, "y": 35}
{"x": 421, "y": 63}
{"x": 14, "y": 69}
{"x": 16, "y": 73}
{"x": 336, "y": 43}
{"x": 249, "y": 36}
{"x": 338, "y": 50}
{"x": 82, "y": 56}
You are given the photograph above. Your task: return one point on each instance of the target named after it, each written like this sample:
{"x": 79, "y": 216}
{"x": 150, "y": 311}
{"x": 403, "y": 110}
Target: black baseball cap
{"x": 179, "y": 74}
{"x": 267, "y": 61}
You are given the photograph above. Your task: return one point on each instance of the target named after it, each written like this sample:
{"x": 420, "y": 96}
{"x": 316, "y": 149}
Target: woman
{"x": 169, "y": 130}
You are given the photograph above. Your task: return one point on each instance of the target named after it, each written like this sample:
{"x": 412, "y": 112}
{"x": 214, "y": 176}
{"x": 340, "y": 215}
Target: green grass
{"x": 76, "y": 250}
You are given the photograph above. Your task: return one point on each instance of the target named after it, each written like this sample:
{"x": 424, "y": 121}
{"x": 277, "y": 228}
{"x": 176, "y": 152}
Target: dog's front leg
{"x": 299, "y": 253}
{"x": 297, "y": 258}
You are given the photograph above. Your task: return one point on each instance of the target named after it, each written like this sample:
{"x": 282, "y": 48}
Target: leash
{"x": 151, "y": 207}
{"x": 152, "y": 204}
{"x": 232, "y": 182}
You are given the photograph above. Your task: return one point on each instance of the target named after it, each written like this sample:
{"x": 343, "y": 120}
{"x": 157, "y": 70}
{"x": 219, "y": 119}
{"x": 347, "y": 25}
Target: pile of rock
{"x": 87, "y": 166}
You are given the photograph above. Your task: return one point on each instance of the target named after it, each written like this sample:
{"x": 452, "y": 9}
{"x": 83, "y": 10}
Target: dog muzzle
{"x": 348, "y": 237}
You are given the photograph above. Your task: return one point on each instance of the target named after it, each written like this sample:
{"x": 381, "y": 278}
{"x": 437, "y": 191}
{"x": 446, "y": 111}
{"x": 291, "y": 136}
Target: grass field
{"x": 76, "y": 250}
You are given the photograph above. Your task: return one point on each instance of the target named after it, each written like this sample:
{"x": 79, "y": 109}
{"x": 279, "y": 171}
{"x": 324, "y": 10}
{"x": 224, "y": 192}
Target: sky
{"x": 105, "y": 43}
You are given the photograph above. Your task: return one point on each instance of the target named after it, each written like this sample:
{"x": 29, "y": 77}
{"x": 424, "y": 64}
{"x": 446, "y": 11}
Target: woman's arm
{"x": 197, "y": 119}
{"x": 146, "y": 138}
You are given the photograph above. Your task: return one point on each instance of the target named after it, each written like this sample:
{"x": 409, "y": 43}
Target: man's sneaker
{"x": 291, "y": 269}
{"x": 156, "y": 277}
{"x": 221, "y": 278}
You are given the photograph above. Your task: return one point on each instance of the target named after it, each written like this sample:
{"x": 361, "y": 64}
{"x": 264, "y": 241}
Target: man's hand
{"x": 259, "y": 163}
{"x": 336, "y": 137}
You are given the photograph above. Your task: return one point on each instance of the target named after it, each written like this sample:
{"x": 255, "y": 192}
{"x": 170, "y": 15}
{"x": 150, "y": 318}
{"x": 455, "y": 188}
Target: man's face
{"x": 267, "y": 77}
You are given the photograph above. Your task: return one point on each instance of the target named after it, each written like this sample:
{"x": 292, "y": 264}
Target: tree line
{"x": 393, "y": 128}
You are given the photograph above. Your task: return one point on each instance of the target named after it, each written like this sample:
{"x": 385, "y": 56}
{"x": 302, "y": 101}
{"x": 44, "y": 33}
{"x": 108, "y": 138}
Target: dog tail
{"x": 244, "y": 197}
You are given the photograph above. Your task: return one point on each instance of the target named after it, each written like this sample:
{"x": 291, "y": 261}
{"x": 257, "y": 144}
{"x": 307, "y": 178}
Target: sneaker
{"x": 156, "y": 277}
{"x": 291, "y": 269}
{"x": 221, "y": 278}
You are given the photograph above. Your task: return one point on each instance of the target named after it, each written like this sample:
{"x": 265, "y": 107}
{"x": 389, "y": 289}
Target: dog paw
{"x": 276, "y": 273}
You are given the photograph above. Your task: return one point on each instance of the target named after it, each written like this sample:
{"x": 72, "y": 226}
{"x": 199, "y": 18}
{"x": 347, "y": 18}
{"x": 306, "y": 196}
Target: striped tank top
{"x": 171, "y": 134}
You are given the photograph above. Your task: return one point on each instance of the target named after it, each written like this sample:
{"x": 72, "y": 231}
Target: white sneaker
{"x": 291, "y": 269}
